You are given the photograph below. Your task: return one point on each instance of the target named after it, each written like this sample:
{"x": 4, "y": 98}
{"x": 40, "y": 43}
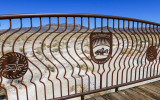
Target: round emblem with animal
{"x": 101, "y": 47}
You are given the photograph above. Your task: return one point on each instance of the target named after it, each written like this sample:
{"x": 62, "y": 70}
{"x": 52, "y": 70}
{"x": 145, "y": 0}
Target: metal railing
{"x": 61, "y": 56}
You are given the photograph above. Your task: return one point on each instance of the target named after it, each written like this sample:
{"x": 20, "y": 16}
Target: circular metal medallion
{"x": 151, "y": 54}
{"x": 13, "y": 65}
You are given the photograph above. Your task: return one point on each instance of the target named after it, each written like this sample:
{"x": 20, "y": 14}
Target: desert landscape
{"x": 63, "y": 58}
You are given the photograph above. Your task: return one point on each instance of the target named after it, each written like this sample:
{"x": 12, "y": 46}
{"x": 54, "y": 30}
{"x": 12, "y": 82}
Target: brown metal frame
{"x": 134, "y": 32}
{"x": 15, "y": 16}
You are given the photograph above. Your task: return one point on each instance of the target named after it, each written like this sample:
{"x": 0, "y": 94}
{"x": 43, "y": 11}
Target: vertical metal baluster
{"x": 47, "y": 57}
{"x": 10, "y": 26}
{"x": 13, "y": 50}
{"x": 124, "y": 51}
{"x": 85, "y": 54}
{"x": 159, "y": 51}
{"x": 136, "y": 49}
{"x": 142, "y": 34}
{"x": 157, "y": 46}
{"x": 129, "y": 51}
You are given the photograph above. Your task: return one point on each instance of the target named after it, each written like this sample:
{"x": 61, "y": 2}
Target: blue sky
{"x": 140, "y": 9}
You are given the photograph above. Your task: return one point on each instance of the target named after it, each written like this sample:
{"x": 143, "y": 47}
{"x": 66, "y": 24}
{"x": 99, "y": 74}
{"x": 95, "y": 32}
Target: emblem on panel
{"x": 100, "y": 47}
{"x": 13, "y": 65}
{"x": 151, "y": 54}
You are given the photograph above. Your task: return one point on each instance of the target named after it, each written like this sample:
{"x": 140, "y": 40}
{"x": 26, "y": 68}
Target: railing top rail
{"x": 15, "y": 16}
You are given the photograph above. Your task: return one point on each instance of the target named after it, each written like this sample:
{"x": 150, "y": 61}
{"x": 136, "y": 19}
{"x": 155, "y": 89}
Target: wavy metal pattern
{"x": 60, "y": 65}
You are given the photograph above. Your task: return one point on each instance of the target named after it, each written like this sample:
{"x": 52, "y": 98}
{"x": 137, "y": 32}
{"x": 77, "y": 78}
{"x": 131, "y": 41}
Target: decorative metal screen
{"x": 60, "y": 56}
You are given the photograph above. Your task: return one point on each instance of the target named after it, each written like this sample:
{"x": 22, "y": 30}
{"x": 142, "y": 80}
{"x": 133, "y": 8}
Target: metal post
{"x": 101, "y": 81}
{"x": 82, "y": 97}
{"x": 116, "y": 89}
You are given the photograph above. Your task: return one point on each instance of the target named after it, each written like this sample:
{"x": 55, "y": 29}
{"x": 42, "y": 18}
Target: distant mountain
{"x": 62, "y": 28}
{"x": 53, "y": 27}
